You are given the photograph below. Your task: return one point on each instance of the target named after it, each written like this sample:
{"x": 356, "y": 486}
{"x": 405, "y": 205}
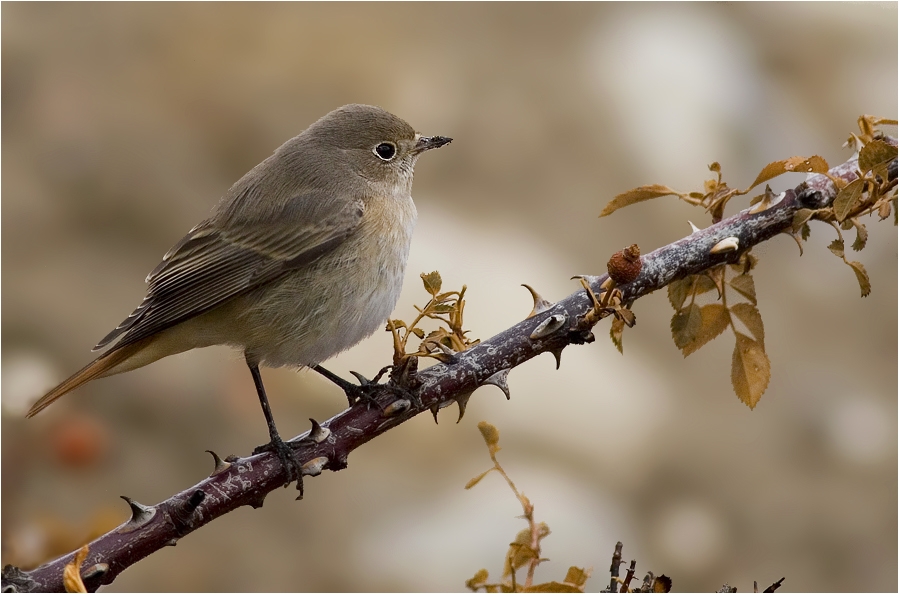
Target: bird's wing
{"x": 211, "y": 265}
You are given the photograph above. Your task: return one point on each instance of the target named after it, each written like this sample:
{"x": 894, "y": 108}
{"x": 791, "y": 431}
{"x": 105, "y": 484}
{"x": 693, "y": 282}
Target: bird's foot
{"x": 285, "y": 453}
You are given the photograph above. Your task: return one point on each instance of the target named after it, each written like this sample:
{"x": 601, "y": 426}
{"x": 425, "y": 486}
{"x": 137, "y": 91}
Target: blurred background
{"x": 124, "y": 123}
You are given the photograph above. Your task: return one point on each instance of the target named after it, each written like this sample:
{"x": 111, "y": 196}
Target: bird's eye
{"x": 386, "y": 150}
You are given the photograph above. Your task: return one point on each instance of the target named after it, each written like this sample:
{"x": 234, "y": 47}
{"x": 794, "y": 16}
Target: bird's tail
{"x": 103, "y": 365}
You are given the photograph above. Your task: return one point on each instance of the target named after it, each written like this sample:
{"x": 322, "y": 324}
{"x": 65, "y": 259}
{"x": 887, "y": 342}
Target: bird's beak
{"x": 426, "y": 143}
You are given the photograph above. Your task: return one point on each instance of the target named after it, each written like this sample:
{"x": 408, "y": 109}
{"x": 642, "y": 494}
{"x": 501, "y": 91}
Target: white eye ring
{"x": 385, "y": 151}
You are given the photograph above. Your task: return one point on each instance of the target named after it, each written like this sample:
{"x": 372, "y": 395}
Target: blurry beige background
{"x": 123, "y": 125}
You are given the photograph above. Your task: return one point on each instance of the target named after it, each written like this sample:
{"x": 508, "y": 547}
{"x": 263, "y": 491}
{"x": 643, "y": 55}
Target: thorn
{"x": 446, "y": 350}
{"x": 728, "y": 244}
{"x": 499, "y": 379}
{"x": 557, "y": 353}
{"x": 462, "y": 401}
{"x": 171, "y": 542}
{"x": 95, "y": 571}
{"x": 549, "y": 326}
{"x": 220, "y": 465}
{"x": 318, "y": 433}
{"x": 540, "y": 304}
{"x": 434, "y": 410}
{"x": 315, "y": 466}
{"x": 362, "y": 379}
{"x": 140, "y": 516}
{"x": 797, "y": 239}
{"x": 694, "y": 227}
{"x": 396, "y": 407}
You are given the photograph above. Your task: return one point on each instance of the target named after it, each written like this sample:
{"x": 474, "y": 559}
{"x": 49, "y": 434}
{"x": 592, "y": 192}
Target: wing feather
{"x": 211, "y": 265}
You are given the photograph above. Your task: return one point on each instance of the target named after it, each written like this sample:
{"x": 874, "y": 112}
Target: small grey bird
{"x": 302, "y": 258}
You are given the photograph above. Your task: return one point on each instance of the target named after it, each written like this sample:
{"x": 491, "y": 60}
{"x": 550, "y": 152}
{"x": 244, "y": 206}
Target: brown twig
{"x": 248, "y": 480}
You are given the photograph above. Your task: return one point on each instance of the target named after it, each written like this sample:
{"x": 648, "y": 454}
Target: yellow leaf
{"x": 848, "y": 199}
{"x": 477, "y": 479}
{"x": 432, "y": 282}
{"x": 490, "y": 434}
{"x": 813, "y": 164}
{"x": 577, "y": 576}
{"x": 861, "y": 274}
{"x": 71, "y": 573}
{"x": 875, "y": 153}
{"x": 750, "y": 316}
{"x": 478, "y": 580}
{"x": 715, "y": 320}
{"x": 661, "y": 584}
{"x": 836, "y": 246}
{"x": 861, "y": 235}
{"x": 685, "y": 324}
{"x": 750, "y": 370}
{"x": 616, "y": 332}
{"x": 637, "y": 195}
{"x": 744, "y": 285}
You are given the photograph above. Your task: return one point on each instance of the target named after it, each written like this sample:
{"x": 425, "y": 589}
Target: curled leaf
{"x": 71, "y": 573}
{"x": 813, "y": 164}
{"x": 432, "y": 282}
{"x": 750, "y": 370}
{"x": 478, "y": 478}
{"x": 637, "y": 195}
{"x": 478, "y": 580}
{"x": 616, "y": 332}
{"x": 577, "y": 576}
{"x": 861, "y": 235}
{"x": 861, "y": 274}
{"x": 836, "y": 246}
{"x": 801, "y": 217}
{"x": 490, "y": 435}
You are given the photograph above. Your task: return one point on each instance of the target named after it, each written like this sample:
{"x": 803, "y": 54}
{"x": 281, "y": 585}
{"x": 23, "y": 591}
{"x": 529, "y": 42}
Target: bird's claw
{"x": 285, "y": 454}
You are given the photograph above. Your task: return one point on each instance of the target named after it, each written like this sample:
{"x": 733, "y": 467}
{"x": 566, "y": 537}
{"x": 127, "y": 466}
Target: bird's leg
{"x": 276, "y": 445}
{"x": 368, "y": 390}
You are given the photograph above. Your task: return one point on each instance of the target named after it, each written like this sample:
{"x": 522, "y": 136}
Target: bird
{"x": 301, "y": 259}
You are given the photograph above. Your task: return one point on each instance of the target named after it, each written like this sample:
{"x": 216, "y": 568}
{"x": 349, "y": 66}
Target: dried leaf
{"x": 577, "y": 576}
{"x": 715, "y": 320}
{"x": 836, "y": 246}
{"x": 490, "y": 435}
{"x": 443, "y": 308}
{"x": 861, "y": 235}
{"x": 615, "y": 333}
{"x": 750, "y": 370}
{"x": 744, "y": 285}
{"x": 848, "y": 198}
{"x": 750, "y": 316}
{"x": 478, "y": 478}
{"x": 480, "y": 578}
{"x": 520, "y": 552}
{"x": 661, "y": 584}
{"x": 685, "y": 325}
{"x": 637, "y": 195}
{"x": 703, "y": 283}
{"x": 805, "y": 232}
{"x": 626, "y": 316}
{"x": 418, "y": 332}
{"x": 861, "y": 274}
{"x": 678, "y": 291}
{"x": 432, "y": 282}
{"x": 883, "y": 211}
{"x": 813, "y": 164}
{"x": 875, "y": 153}
{"x": 71, "y": 573}
{"x": 801, "y": 217}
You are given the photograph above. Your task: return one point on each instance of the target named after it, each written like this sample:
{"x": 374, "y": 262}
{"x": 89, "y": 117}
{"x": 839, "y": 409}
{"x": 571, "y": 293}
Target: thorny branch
{"x": 236, "y": 482}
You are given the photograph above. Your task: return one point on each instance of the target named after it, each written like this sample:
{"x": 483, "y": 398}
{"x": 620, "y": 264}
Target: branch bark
{"x": 246, "y": 481}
